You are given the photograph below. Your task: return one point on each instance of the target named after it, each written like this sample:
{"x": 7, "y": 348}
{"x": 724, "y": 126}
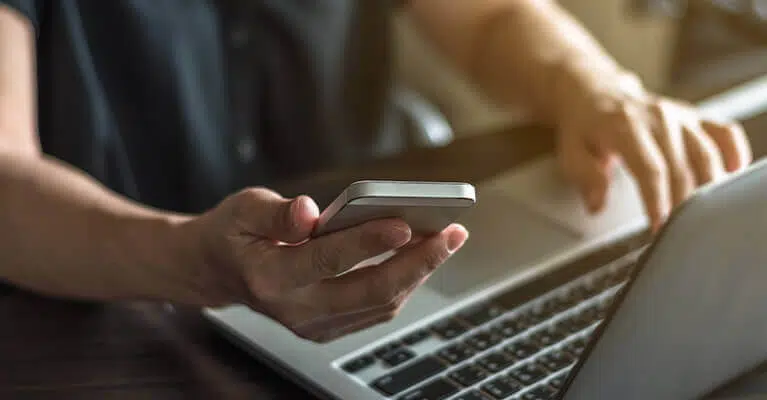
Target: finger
{"x": 341, "y": 322}
{"x": 264, "y": 213}
{"x": 703, "y": 154}
{"x": 587, "y": 172}
{"x": 645, "y": 161}
{"x": 732, "y": 142}
{"x": 336, "y": 253}
{"x": 387, "y": 285}
{"x": 670, "y": 139}
{"x": 336, "y": 332}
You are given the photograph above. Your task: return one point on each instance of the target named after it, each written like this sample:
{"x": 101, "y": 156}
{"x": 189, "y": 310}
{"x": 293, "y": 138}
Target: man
{"x": 125, "y": 124}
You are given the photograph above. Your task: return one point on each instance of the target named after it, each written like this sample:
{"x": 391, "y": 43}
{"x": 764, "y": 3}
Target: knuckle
{"x": 653, "y": 171}
{"x": 393, "y": 304}
{"x": 239, "y": 202}
{"x": 384, "y": 296}
{"x": 624, "y": 112}
{"x": 370, "y": 239}
{"x": 249, "y": 194}
{"x": 385, "y": 293}
{"x": 390, "y": 315}
{"x": 680, "y": 178}
{"x": 302, "y": 333}
{"x": 324, "y": 337}
{"x": 433, "y": 259}
{"x": 735, "y": 129}
{"x": 658, "y": 107}
{"x": 705, "y": 155}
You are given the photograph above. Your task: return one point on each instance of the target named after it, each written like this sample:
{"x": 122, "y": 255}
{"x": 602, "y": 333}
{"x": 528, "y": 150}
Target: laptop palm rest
{"x": 694, "y": 317}
{"x": 527, "y": 215}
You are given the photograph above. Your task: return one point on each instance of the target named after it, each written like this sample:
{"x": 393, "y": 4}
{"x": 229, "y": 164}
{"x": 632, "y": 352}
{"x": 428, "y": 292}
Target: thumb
{"x": 588, "y": 172}
{"x": 262, "y": 212}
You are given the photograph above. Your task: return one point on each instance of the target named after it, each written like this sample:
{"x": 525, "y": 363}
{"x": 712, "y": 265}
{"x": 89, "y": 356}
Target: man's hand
{"x": 536, "y": 57}
{"x": 666, "y": 145}
{"x": 255, "y": 249}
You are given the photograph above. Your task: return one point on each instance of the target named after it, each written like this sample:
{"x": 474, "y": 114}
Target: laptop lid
{"x": 692, "y": 317}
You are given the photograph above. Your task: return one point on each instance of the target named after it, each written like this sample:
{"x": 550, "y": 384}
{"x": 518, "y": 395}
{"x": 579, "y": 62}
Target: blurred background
{"x": 689, "y": 48}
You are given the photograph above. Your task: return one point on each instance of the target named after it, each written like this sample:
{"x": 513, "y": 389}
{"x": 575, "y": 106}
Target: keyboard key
{"x": 547, "y": 336}
{"x": 383, "y": 350}
{"x": 468, "y": 375}
{"x": 539, "y": 314}
{"x": 558, "y": 381}
{"x": 556, "y": 360}
{"x": 592, "y": 289}
{"x": 623, "y": 272}
{"x": 484, "y": 340}
{"x": 472, "y": 395}
{"x": 569, "y": 325}
{"x": 579, "y": 293}
{"x": 589, "y": 315}
{"x": 478, "y": 315}
{"x": 448, "y": 329}
{"x": 540, "y": 393}
{"x": 602, "y": 282}
{"x": 358, "y": 364}
{"x": 511, "y": 327}
{"x": 576, "y": 347}
{"x": 584, "y": 319}
{"x": 602, "y": 308}
{"x": 416, "y": 337}
{"x": 522, "y": 348}
{"x": 409, "y": 376}
{"x": 496, "y": 362}
{"x": 555, "y": 305}
{"x": 502, "y": 387}
{"x": 528, "y": 374}
{"x": 572, "y": 296}
{"x": 438, "y": 389}
{"x": 397, "y": 357}
{"x": 456, "y": 353}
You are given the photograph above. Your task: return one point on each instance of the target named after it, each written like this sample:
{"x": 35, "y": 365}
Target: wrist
{"x": 163, "y": 260}
{"x": 579, "y": 85}
{"x": 206, "y": 276}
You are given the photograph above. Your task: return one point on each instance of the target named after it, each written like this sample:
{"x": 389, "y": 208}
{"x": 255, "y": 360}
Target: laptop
{"x": 548, "y": 302}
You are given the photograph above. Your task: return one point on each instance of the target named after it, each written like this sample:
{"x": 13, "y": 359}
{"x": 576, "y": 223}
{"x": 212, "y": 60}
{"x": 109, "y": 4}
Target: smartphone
{"x": 428, "y": 207}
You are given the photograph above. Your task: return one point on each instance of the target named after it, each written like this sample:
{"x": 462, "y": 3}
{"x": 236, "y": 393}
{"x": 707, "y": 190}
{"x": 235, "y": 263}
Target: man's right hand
{"x": 255, "y": 249}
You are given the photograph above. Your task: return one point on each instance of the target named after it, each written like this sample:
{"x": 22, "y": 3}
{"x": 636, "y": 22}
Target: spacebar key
{"x": 409, "y": 376}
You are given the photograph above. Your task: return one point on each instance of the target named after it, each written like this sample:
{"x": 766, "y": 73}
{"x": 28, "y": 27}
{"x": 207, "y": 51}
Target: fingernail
{"x": 456, "y": 239}
{"x": 303, "y": 210}
{"x": 307, "y": 205}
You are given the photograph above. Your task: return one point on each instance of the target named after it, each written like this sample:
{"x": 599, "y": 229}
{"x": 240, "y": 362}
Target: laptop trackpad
{"x": 527, "y": 215}
{"x": 506, "y": 238}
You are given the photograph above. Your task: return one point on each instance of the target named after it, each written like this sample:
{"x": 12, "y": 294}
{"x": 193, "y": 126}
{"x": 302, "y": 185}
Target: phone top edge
{"x": 333, "y": 208}
{"x": 410, "y": 189}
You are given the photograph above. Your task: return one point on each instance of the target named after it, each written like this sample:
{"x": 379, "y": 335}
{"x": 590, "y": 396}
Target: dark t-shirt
{"x": 177, "y": 103}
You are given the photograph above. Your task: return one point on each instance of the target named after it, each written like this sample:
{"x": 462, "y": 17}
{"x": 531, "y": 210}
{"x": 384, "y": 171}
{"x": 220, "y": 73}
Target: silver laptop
{"x": 546, "y": 302}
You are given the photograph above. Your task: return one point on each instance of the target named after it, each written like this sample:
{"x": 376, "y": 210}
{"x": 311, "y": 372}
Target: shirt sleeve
{"x": 32, "y": 9}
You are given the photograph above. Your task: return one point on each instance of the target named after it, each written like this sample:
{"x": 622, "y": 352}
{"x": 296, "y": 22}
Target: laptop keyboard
{"x": 497, "y": 350}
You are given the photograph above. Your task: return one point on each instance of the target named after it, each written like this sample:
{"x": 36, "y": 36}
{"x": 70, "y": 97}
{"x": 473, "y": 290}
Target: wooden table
{"x": 56, "y": 349}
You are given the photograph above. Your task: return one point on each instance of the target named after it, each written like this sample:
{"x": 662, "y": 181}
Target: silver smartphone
{"x": 428, "y": 207}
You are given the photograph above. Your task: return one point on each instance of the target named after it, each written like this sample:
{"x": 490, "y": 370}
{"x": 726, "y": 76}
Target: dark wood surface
{"x": 60, "y": 349}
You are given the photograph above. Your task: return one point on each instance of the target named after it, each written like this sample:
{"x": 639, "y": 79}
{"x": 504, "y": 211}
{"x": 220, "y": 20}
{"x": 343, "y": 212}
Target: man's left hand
{"x": 666, "y": 145}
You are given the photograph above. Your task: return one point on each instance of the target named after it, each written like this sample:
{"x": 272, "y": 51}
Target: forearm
{"x": 527, "y": 53}
{"x": 63, "y": 234}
